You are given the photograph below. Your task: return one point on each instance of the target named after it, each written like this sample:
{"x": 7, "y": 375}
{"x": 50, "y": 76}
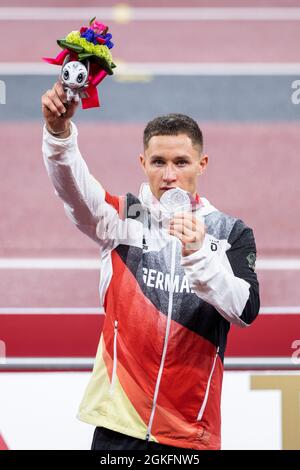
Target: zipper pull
{"x": 145, "y": 246}
{"x": 147, "y": 437}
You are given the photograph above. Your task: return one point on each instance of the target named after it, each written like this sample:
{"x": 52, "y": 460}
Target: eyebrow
{"x": 178, "y": 157}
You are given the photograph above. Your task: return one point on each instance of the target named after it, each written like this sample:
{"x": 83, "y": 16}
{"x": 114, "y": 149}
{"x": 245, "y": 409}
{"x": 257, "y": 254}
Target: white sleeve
{"x": 211, "y": 278}
{"x": 80, "y": 192}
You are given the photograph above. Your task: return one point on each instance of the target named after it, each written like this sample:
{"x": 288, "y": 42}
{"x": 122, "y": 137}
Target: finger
{"x": 184, "y": 215}
{"x": 188, "y": 216}
{"x": 184, "y": 219}
{"x": 188, "y": 246}
{"x": 71, "y": 108}
{"x": 194, "y": 224}
{"x": 177, "y": 234}
{"x": 182, "y": 228}
{"x": 189, "y": 237}
{"x": 50, "y": 96}
{"x": 49, "y": 107}
{"x": 59, "y": 89}
{"x": 57, "y": 101}
{"x": 183, "y": 225}
{"x": 46, "y": 111}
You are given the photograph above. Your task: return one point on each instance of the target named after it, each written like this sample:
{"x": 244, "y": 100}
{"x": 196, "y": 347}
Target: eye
{"x": 181, "y": 162}
{"x": 66, "y": 75}
{"x": 80, "y": 77}
{"x": 158, "y": 162}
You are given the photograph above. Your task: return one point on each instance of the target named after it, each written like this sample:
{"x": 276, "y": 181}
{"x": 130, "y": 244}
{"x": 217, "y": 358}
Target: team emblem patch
{"x": 251, "y": 258}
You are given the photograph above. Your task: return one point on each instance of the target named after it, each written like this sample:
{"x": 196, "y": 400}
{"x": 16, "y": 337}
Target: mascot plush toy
{"x": 86, "y": 60}
{"x": 75, "y": 78}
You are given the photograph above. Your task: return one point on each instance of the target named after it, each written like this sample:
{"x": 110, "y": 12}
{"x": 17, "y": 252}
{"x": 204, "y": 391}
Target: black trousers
{"x": 106, "y": 439}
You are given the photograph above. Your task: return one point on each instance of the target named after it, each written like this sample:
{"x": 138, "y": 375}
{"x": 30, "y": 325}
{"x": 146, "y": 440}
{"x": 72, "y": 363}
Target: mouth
{"x": 166, "y": 188}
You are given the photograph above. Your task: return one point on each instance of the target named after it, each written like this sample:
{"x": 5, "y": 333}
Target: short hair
{"x": 174, "y": 124}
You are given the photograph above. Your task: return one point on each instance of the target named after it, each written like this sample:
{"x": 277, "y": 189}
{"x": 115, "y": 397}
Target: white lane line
{"x": 23, "y": 363}
{"x": 279, "y": 310}
{"x": 166, "y": 68}
{"x": 263, "y": 264}
{"x": 51, "y": 311}
{"x": 261, "y": 362}
{"x": 50, "y": 263}
{"x": 51, "y": 362}
{"x": 278, "y": 264}
{"x": 125, "y": 13}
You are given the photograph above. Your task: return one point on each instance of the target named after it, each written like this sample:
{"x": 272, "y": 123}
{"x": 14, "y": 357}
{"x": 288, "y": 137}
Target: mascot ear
{"x": 66, "y": 60}
{"x": 86, "y": 63}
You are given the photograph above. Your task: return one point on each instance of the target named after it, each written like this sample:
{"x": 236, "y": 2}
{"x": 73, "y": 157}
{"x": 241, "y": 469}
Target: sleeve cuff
{"x": 57, "y": 142}
{"x": 202, "y": 253}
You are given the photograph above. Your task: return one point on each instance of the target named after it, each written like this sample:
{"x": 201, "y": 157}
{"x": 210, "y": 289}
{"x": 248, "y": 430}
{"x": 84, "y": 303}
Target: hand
{"x": 56, "y": 111}
{"x": 189, "y": 230}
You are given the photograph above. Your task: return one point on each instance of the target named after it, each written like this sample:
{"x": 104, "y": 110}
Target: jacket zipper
{"x": 203, "y": 406}
{"x": 115, "y": 360}
{"x": 170, "y": 308}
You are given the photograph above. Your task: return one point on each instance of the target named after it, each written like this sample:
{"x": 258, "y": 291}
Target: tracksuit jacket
{"x": 159, "y": 365}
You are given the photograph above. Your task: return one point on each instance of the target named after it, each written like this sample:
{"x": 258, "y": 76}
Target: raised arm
{"x": 82, "y": 195}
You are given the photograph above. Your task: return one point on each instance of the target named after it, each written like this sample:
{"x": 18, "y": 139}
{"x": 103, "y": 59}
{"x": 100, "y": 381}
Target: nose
{"x": 169, "y": 174}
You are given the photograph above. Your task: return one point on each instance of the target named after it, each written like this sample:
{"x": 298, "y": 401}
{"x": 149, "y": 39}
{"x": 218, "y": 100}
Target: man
{"x": 171, "y": 285}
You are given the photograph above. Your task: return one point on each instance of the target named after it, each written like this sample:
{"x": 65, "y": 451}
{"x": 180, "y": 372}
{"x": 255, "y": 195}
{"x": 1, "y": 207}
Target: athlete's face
{"x": 172, "y": 161}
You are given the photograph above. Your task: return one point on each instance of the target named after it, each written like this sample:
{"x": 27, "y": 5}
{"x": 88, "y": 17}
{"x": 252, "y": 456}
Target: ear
{"x": 203, "y": 162}
{"x": 143, "y": 161}
{"x": 86, "y": 63}
{"x": 66, "y": 60}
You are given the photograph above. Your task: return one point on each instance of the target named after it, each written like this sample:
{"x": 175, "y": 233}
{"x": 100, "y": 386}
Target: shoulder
{"x": 219, "y": 224}
{"x": 225, "y": 226}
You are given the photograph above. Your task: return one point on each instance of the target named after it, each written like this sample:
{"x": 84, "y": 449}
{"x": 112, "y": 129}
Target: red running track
{"x": 78, "y": 336}
{"x": 155, "y": 3}
{"x": 35, "y": 226}
{"x": 261, "y": 187}
{"x": 212, "y": 41}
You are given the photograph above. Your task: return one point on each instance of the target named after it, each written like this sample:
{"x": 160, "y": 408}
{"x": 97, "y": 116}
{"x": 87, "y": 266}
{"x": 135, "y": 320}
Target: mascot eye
{"x": 80, "y": 77}
{"x": 66, "y": 75}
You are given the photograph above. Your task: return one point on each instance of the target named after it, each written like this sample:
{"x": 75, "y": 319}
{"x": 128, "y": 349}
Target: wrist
{"x": 60, "y": 133}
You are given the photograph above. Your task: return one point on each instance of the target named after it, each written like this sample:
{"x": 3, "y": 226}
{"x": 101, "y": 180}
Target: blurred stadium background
{"x": 233, "y": 66}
